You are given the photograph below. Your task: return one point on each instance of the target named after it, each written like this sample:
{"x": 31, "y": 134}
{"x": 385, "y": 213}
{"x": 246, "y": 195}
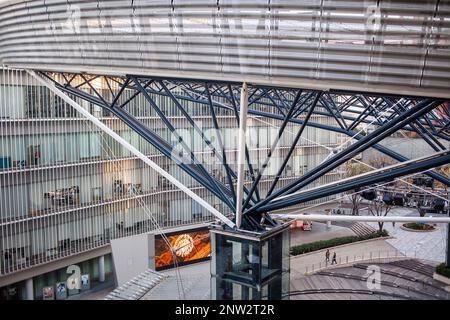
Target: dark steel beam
{"x": 294, "y": 144}
{"x": 180, "y": 140}
{"x": 221, "y": 145}
{"x": 360, "y": 182}
{"x": 356, "y": 148}
{"x": 152, "y": 138}
{"x": 272, "y": 148}
{"x": 348, "y": 109}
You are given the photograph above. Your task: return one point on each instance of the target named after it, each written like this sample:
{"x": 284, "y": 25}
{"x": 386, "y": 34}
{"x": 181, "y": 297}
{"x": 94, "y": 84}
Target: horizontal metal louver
{"x": 383, "y": 46}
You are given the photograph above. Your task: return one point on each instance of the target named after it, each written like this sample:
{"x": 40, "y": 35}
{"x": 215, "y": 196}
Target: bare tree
{"x": 422, "y": 211}
{"x": 379, "y": 208}
{"x": 355, "y": 199}
{"x": 354, "y": 169}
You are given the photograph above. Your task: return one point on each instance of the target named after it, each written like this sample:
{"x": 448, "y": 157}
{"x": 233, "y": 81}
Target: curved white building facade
{"x": 375, "y": 46}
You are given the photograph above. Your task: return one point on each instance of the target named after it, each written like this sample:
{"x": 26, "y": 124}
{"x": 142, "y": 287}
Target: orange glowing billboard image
{"x": 187, "y": 247}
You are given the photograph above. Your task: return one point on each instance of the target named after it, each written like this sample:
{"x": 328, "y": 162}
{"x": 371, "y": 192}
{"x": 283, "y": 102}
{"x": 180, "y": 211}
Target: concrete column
{"x": 328, "y": 211}
{"x": 101, "y": 269}
{"x": 30, "y": 289}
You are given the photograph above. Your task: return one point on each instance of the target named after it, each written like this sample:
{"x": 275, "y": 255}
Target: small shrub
{"x": 323, "y": 244}
{"x": 443, "y": 270}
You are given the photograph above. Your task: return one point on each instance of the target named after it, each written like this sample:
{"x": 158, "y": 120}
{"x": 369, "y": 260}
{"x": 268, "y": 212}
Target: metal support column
{"x": 241, "y": 154}
{"x": 30, "y": 289}
{"x": 101, "y": 269}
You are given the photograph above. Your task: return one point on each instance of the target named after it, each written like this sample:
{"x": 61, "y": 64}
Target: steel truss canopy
{"x": 206, "y": 158}
{"x": 394, "y": 47}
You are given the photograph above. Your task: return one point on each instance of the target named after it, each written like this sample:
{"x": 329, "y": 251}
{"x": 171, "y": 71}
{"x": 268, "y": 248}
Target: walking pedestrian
{"x": 334, "y": 261}
{"x": 327, "y": 256}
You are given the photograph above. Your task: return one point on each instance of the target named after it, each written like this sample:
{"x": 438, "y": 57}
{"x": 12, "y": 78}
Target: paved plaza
{"x": 422, "y": 245}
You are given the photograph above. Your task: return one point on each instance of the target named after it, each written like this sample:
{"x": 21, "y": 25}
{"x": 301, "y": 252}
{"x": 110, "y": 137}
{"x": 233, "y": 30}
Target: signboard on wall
{"x": 85, "y": 282}
{"x": 61, "y": 291}
{"x": 48, "y": 293}
{"x": 188, "y": 247}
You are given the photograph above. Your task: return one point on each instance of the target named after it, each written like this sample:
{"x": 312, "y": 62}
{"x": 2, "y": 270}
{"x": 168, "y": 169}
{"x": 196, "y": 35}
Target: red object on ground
{"x": 307, "y": 226}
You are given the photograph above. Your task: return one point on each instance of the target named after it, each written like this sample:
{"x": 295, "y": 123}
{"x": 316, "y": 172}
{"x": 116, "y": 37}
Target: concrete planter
{"x": 412, "y": 230}
{"x": 442, "y": 279}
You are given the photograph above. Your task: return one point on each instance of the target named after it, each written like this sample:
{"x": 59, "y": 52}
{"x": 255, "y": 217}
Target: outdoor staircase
{"x": 415, "y": 266}
{"x": 362, "y": 229}
{"x": 137, "y": 287}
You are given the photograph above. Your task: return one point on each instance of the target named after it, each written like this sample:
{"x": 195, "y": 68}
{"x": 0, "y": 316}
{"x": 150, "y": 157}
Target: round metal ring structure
{"x": 386, "y": 47}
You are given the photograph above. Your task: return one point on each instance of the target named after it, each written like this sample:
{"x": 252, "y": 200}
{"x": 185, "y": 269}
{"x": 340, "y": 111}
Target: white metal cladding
{"x": 385, "y": 46}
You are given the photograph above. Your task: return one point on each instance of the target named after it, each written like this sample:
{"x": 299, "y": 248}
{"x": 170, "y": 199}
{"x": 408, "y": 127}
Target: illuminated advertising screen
{"x": 188, "y": 247}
